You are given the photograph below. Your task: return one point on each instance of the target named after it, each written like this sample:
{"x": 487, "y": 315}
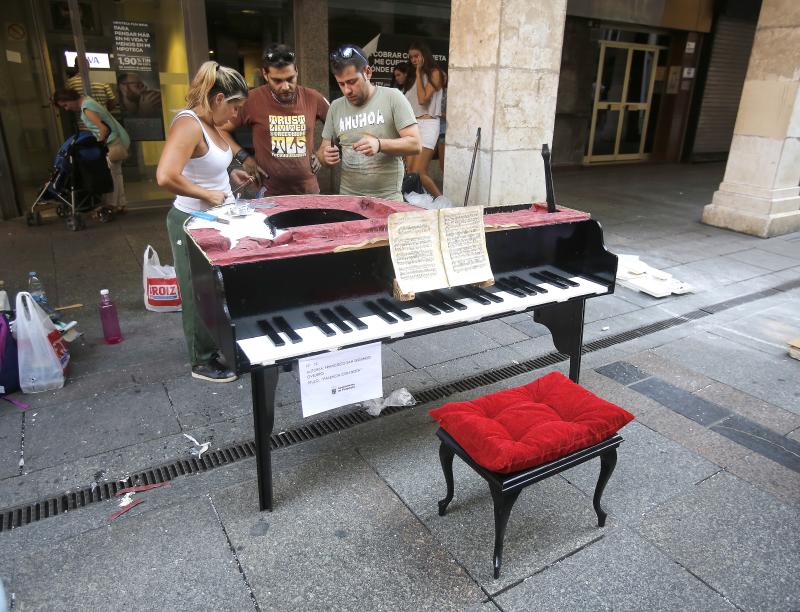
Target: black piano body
{"x": 239, "y": 301}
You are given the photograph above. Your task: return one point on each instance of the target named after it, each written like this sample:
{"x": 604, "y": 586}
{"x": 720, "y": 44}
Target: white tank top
{"x": 434, "y": 106}
{"x": 210, "y": 171}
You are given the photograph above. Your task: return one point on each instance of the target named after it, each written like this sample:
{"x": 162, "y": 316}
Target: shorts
{"x": 429, "y": 132}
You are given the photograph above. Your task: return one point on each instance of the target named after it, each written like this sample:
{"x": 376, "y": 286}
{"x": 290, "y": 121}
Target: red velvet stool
{"x": 519, "y": 436}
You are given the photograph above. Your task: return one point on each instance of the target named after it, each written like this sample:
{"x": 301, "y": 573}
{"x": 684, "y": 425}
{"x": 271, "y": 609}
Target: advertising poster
{"x": 138, "y": 84}
{"x": 385, "y": 51}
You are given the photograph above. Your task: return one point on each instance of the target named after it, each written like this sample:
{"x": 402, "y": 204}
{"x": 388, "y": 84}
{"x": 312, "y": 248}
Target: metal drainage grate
{"x": 24, "y": 514}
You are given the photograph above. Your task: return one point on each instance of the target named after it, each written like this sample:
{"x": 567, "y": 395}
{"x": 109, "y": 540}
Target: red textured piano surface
{"x": 329, "y": 237}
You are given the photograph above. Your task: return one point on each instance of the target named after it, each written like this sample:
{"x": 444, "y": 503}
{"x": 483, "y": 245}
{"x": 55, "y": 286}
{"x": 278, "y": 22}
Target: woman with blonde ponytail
{"x": 194, "y": 166}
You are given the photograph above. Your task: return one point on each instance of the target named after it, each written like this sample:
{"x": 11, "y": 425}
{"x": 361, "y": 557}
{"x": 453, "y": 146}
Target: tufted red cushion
{"x": 521, "y": 428}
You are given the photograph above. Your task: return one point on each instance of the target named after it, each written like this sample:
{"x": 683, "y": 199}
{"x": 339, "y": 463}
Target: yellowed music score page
{"x": 416, "y": 255}
{"x": 463, "y": 245}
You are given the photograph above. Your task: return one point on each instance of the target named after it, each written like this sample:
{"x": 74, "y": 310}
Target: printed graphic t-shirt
{"x": 283, "y": 137}
{"x": 383, "y": 116}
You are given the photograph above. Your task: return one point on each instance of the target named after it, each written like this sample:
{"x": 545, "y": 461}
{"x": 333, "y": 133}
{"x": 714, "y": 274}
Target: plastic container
{"x": 109, "y": 319}
{"x": 36, "y": 289}
{"x": 5, "y": 305}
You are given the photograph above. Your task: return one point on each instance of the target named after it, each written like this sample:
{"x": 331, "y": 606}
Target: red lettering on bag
{"x": 163, "y": 292}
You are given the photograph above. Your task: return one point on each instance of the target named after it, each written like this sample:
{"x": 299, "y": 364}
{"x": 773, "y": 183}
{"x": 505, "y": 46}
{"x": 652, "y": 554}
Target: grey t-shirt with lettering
{"x": 383, "y": 116}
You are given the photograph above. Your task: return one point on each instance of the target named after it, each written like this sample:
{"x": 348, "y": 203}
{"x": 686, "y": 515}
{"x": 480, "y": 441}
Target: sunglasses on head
{"x": 346, "y": 52}
{"x": 279, "y": 56}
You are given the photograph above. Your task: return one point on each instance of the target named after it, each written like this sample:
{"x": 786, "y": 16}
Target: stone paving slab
{"x": 768, "y": 329}
{"x": 621, "y": 571}
{"x": 471, "y": 365}
{"x": 340, "y": 538}
{"x": 11, "y": 427}
{"x": 739, "y": 540}
{"x": 606, "y": 306}
{"x": 549, "y": 520}
{"x": 442, "y": 346}
{"x": 777, "y": 480}
{"x": 83, "y": 428}
{"x": 738, "y": 366}
{"x": 651, "y": 470}
{"x": 177, "y": 558}
{"x": 765, "y": 259}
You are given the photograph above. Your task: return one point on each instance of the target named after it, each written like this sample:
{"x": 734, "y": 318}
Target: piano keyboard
{"x": 327, "y": 327}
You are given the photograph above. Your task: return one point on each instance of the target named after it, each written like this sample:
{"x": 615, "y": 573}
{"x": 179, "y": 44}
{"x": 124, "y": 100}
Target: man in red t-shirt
{"x": 282, "y": 116}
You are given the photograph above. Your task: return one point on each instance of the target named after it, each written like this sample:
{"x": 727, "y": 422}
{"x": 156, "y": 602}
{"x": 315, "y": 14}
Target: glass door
{"x": 625, "y": 74}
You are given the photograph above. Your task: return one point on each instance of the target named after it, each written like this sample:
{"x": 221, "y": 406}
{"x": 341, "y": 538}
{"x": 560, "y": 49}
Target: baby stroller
{"x": 79, "y": 178}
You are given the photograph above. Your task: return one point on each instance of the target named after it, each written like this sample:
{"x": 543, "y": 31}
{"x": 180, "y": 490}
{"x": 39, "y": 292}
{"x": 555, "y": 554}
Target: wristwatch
{"x": 241, "y": 155}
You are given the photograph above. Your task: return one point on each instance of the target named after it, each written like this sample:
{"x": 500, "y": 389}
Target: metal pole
{"x": 80, "y": 48}
{"x": 472, "y": 166}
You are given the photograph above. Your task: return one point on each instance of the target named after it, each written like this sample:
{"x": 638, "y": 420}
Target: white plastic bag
{"x": 161, "y": 291}
{"x": 43, "y": 354}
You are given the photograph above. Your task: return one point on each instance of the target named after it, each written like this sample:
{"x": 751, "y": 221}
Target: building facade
{"x": 601, "y": 81}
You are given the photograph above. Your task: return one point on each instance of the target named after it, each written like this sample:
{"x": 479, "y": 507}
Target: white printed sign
{"x": 342, "y": 377}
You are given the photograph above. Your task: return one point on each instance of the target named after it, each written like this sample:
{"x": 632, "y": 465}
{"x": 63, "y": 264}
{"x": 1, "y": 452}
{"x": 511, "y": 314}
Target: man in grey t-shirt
{"x": 374, "y": 127}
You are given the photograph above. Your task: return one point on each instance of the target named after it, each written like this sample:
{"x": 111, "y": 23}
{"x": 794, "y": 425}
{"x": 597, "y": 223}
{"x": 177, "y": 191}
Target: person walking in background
{"x": 425, "y": 97}
{"x": 282, "y": 116}
{"x": 400, "y": 76}
{"x": 108, "y": 132}
{"x": 194, "y": 166}
{"x": 372, "y": 126}
{"x": 102, "y": 93}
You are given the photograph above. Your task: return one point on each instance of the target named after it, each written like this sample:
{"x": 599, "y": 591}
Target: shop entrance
{"x": 622, "y": 102}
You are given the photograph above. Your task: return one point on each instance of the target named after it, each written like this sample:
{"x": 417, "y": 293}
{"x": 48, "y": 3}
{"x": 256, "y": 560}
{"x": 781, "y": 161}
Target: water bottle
{"x": 36, "y": 289}
{"x": 109, "y": 319}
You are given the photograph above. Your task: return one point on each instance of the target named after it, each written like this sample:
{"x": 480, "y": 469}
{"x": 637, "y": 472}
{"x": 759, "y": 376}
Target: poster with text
{"x": 138, "y": 83}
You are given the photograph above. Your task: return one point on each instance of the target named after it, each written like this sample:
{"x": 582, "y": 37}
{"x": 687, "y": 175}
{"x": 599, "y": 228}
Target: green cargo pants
{"x": 199, "y": 342}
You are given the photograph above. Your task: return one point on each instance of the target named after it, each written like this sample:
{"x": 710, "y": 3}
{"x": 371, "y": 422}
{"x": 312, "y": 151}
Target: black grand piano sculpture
{"x": 325, "y": 282}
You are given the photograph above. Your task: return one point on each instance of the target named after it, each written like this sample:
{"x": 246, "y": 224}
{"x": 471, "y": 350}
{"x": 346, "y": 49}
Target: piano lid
{"x": 314, "y": 224}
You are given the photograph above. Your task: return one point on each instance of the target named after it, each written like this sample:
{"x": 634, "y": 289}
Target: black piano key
{"x": 348, "y": 316}
{"x": 449, "y": 301}
{"x": 336, "y": 320}
{"x": 271, "y": 333}
{"x": 395, "y": 310}
{"x": 552, "y": 281}
{"x": 514, "y": 281}
{"x": 283, "y": 325}
{"x": 426, "y": 305}
{"x": 380, "y": 311}
{"x": 487, "y": 294}
{"x": 472, "y": 295}
{"x": 558, "y": 277}
{"x": 437, "y": 302}
{"x": 530, "y": 286}
{"x": 507, "y": 286}
{"x": 316, "y": 320}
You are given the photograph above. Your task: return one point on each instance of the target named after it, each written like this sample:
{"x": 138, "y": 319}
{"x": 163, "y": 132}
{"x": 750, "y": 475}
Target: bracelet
{"x": 379, "y": 145}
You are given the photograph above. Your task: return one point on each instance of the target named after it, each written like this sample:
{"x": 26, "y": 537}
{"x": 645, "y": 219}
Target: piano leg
{"x": 263, "y": 381}
{"x": 565, "y": 322}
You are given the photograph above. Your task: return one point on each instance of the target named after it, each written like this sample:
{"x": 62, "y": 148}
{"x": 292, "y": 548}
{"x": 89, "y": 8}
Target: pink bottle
{"x": 109, "y": 319}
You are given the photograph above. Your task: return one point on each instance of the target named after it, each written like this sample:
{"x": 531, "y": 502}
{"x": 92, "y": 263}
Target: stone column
{"x": 759, "y": 194}
{"x": 311, "y": 46}
{"x": 505, "y": 57}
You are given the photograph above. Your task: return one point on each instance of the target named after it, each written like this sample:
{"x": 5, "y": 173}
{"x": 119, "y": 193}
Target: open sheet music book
{"x": 433, "y": 249}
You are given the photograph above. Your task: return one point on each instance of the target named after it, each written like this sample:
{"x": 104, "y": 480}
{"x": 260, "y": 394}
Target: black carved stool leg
{"x": 446, "y": 458}
{"x": 608, "y": 460}
{"x": 503, "y": 502}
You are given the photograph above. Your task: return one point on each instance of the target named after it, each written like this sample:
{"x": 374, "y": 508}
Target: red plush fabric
{"x": 521, "y": 428}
